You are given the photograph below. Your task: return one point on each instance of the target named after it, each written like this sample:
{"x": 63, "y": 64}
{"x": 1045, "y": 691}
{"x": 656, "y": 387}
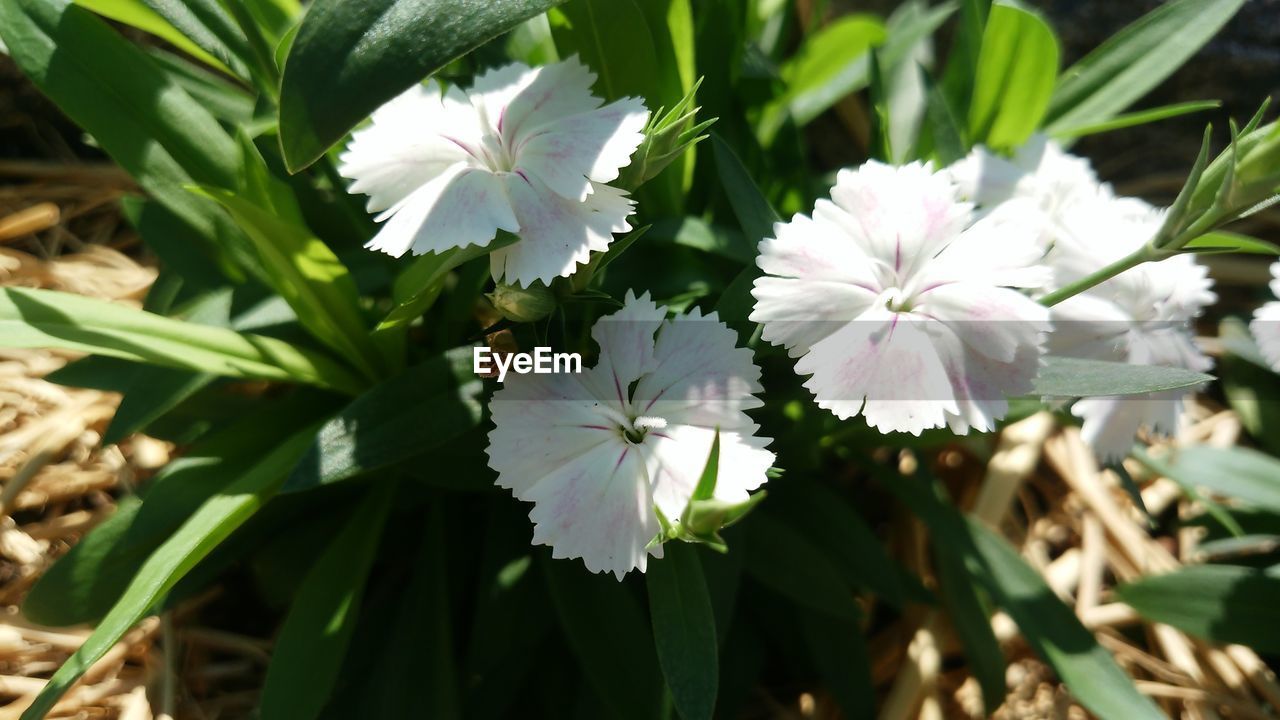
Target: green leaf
{"x": 1222, "y": 241}
{"x": 1139, "y": 117}
{"x": 351, "y": 57}
{"x": 832, "y": 63}
{"x": 207, "y": 24}
{"x": 1050, "y": 627}
{"x": 971, "y": 620}
{"x": 1077, "y": 377}
{"x": 696, "y": 233}
{"x": 419, "y": 284}
{"x": 46, "y": 318}
{"x": 839, "y": 652}
{"x": 1054, "y": 631}
{"x": 138, "y": 14}
{"x": 309, "y": 276}
{"x": 203, "y": 531}
{"x": 1135, "y": 60}
{"x": 1220, "y": 603}
{"x": 1016, "y": 71}
{"x": 779, "y": 556}
{"x": 398, "y": 420}
{"x": 684, "y": 630}
{"x": 313, "y": 640}
{"x": 1239, "y": 473}
{"x": 606, "y": 630}
{"x": 755, "y": 215}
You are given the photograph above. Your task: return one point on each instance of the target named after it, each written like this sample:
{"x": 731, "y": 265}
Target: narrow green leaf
{"x": 684, "y": 629}
{"x": 1222, "y": 241}
{"x": 971, "y": 620}
{"x": 1135, "y": 60}
{"x": 419, "y": 284}
{"x": 839, "y": 651}
{"x": 1139, "y": 117}
{"x": 1220, "y": 603}
{"x": 315, "y": 634}
{"x": 351, "y": 57}
{"x": 1077, "y": 377}
{"x": 309, "y": 276}
{"x": 607, "y": 632}
{"x": 832, "y": 63}
{"x": 782, "y": 558}
{"x": 755, "y": 215}
{"x": 207, "y": 24}
{"x": 138, "y": 14}
{"x": 1017, "y": 68}
{"x": 1238, "y": 473}
{"x": 204, "y": 530}
{"x": 398, "y": 420}
{"x": 46, "y": 318}
{"x": 1054, "y": 631}
{"x": 696, "y": 233}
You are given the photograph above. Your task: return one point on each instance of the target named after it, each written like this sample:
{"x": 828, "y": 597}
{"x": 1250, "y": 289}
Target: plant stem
{"x": 1137, "y": 257}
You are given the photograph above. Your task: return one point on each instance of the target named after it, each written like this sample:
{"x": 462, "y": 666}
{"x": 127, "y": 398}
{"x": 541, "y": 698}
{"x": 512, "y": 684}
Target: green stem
{"x": 1143, "y": 254}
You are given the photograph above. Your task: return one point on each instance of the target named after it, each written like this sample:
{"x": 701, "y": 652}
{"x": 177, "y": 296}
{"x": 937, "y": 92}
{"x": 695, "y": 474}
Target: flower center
{"x": 633, "y": 428}
{"x": 496, "y": 155}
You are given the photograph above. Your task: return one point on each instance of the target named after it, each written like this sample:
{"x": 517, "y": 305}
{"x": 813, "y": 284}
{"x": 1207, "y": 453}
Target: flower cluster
{"x": 910, "y": 296}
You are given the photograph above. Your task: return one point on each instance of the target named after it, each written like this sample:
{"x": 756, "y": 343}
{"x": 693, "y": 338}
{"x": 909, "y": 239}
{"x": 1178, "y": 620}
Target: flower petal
{"x": 569, "y": 153}
{"x": 699, "y": 376}
{"x": 626, "y": 340}
{"x": 889, "y": 361}
{"x": 1111, "y": 423}
{"x": 552, "y": 92}
{"x": 981, "y": 383}
{"x": 598, "y": 508}
{"x": 462, "y": 206}
{"x": 410, "y": 141}
{"x": 1266, "y": 331}
{"x": 995, "y": 321}
{"x": 556, "y": 234}
{"x": 676, "y": 456}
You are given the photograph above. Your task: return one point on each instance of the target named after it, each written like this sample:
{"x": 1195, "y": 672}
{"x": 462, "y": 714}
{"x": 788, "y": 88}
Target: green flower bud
{"x": 523, "y": 304}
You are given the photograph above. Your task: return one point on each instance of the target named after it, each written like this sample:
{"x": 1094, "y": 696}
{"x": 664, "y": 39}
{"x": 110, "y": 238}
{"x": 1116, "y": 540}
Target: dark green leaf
{"x": 398, "y": 420}
{"x": 839, "y": 651}
{"x": 351, "y": 57}
{"x": 1077, "y": 377}
{"x": 1140, "y": 117}
{"x": 606, "y": 630}
{"x": 314, "y": 637}
{"x": 1220, "y": 603}
{"x": 684, "y": 629}
{"x": 779, "y": 556}
{"x": 1222, "y": 241}
{"x": 1237, "y": 473}
{"x": 1135, "y": 60}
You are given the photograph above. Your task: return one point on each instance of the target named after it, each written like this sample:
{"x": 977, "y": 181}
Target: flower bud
{"x": 523, "y": 304}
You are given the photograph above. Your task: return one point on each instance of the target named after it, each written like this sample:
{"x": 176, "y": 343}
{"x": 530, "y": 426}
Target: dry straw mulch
{"x": 59, "y": 229}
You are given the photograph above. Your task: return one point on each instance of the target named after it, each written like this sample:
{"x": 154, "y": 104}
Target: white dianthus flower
{"x": 1040, "y": 180}
{"x": 1266, "y": 323}
{"x": 597, "y": 452}
{"x": 525, "y": 150}
{"x": 1142, "y": 316}
{"x": 899, "y": 307}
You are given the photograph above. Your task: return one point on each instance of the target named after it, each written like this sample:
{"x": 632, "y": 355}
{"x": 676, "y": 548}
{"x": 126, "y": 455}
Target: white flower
{"x": 526, "y": 150}
{"x": 1141, "y": 316}
{"x": 900, "y": 309}
{"x": 1266, "y": 323}
{"x": 597, "y": 452}
{"x": 1041, "y": 179}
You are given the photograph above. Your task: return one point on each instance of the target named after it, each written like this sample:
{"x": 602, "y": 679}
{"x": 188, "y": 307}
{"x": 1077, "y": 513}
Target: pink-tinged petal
{"x": 556, "y": 234}
{"x": 494, "y": 90}
{"x": 700, "y": 376}
{"x": 798, "y": 313}
{"x": 569, "y": 153}
{"x": 885, "y": 366}
{"x": 982, "y": 384}
{"x": 598, "y": 508}
{"x": 408, "y": 144}
{"x": 1266, "y": 331}
{"x": 994, "y": 321}
{"x": 676, "y": 456}
{"x": 556, "y": 91}
{"x": 900, "y": 216}
{"x": 461, "y": 207}
{"x": 1007, "y": 248}
{"x": 816, "y": 248}
{"x": 541, "y": 424}
{"x": 626, "y": 340}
